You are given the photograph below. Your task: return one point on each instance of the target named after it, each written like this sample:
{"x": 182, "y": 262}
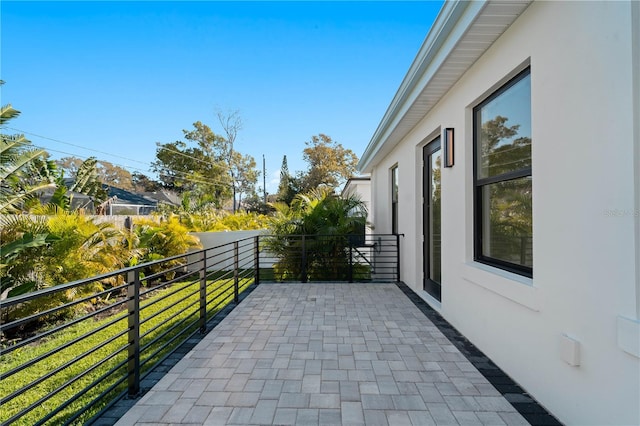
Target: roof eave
{"x": 449, "y": 29}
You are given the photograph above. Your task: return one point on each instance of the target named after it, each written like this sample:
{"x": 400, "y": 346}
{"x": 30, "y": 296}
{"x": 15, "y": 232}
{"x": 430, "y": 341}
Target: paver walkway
{"x": 324, "y": 354}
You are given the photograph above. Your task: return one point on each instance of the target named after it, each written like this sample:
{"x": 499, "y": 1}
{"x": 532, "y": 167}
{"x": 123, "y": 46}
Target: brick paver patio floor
{"x": 310, "y": 354}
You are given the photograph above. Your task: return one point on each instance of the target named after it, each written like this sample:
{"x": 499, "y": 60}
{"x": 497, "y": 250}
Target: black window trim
{"x": 478, "y": 184}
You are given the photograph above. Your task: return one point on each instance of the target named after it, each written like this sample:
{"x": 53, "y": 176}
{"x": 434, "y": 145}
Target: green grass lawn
{"x": 96, "y": 353}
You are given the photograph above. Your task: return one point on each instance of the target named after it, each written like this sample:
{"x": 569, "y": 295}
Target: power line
{"x": 73, "y": 145}
{"x": 183, "y": 175}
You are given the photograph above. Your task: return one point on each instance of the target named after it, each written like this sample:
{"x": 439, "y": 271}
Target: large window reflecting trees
{"x": 503, "y": 177}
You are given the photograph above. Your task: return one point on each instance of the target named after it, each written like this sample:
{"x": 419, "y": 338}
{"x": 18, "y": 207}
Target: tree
{"x": 107, "y": 172}
{"x": 199, "y": 170}
{"x": 143, "y": 183}
{"x": 242, "y": 168}
{"x": 244, "y": 175}
{"x": 69, "y": 165}
{"x": 511, "y": 202}
{"x": 289, "y": 186}
{"x": 113, "y": 175}
{"x": 330, "y": 165}
{"x": 231, "y": 124}
{"x": 211, "y": 171}
{"x": 85, "y": 181}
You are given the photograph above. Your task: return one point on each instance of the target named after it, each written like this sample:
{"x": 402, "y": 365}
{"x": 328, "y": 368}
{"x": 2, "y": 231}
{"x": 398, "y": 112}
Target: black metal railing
{"x": 314, "y": 258}
{"x": 68, "y": 352}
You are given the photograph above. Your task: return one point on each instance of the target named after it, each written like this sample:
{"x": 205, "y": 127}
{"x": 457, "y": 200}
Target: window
{"x": 394, "y": 200}
{"x": 503, "y": 179}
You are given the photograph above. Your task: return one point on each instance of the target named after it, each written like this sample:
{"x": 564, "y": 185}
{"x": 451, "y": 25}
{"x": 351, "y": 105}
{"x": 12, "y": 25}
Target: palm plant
{"x": 161, "y": 240}
{"x": 328, "y": 223}
{"x": 24, "y": 170}
{"x": 57, "y": 247}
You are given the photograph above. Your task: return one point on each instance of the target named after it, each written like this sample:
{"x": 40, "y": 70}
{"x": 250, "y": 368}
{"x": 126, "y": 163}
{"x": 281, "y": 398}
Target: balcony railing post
{"x": 133, "y": 306}
{"x": 203, "y": 291}
{"x": 398, "y": 255}
{"x": 235, "y": 272}
{"x": 257, "y": 259}
{"x": 303, "y": 268}
{"x": 350, "y": 262}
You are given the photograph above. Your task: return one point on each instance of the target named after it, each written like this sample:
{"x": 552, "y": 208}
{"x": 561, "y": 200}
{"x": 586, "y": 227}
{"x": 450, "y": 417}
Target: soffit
{"x": 461, "y": 34}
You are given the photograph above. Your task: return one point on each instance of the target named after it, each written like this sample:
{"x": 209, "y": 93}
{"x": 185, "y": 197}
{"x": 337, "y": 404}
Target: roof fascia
{"x": 453, "y": 21}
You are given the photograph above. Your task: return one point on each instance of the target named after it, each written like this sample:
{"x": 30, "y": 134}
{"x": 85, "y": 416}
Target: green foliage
{"x": 199, "y": 169}
{"x": 330, "y": 165}
{"x": 210, "y": 220}
{"x": 44, "y": 251}
{"x": 24, "y": 170}
{"x": 327, "y": 221}
{"x": 289, "y": 185}
{"x": 163, "y": 239}
{"x": 206, "y": 166}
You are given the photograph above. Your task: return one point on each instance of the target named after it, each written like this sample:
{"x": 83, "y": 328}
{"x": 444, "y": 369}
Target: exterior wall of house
{"x": 585, "y": 212}
{"x": 361, "y": 188}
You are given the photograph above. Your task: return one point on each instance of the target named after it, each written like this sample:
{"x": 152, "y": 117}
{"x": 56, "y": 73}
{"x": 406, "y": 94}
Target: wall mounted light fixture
{"x": 448, "y": 147}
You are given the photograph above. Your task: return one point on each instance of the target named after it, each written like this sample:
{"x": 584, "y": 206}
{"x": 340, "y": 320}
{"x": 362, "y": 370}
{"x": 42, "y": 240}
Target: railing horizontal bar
{"x": 163, "y": 311}
{"x": 57, "y": 390}
{"x": 159, "y": 286}
{"x": 222, "y": 261}
{"x": 28, "y": 319}
{"x": 86, "y": 388}
{"x": 57, "y": 370}
{"x": 148, "y": 345}
{"x": 221, "y": 286}
{"x": 53, "y": 330}
{"x": 98, "y": 398}
{"x": 56, "y": 350}
{"x": 56, "y": 289}
{"x": 163, "y": 273}
{"x": 223, "y": 276}
{"x": 166, "y": 295}
{"x": 221, "y": 302}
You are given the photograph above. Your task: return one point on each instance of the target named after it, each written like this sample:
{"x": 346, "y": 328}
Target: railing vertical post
{"x": 350, "y": 263}
{"x": 398, "y": 255}
{"x": 303, "y": 268}
{"x": 235, "y": 272}
{"x": 257, "y": 259}
{"x": 203, "y": 291}
{"x": 133, "y": 306}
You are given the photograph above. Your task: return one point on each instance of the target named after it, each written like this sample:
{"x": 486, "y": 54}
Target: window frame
{"x": 479, "y": 184}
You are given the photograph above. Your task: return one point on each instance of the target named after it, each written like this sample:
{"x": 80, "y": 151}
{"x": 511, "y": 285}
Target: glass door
{"x": 431, "y": 178}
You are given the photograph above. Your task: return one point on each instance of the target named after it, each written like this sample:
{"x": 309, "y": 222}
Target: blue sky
{"x": 116, "y": 77}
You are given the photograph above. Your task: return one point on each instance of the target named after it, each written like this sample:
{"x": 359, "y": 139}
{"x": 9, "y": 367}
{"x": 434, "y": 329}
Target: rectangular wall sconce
{"x": 448, "y": 147}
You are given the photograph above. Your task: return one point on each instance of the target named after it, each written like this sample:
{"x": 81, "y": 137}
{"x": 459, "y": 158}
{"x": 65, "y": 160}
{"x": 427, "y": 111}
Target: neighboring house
{"x": 360, "y": 187}
{"x": 162, "y": 197}
{"x": 529, "y": 244}
{"x": 122, "y": 202}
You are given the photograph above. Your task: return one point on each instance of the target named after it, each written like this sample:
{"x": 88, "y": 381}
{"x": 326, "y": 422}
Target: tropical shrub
{"x": 59, "y": 247}
{"x": 159, "y": 240}
{"x": 217, "y": 221}
{"x": 329, "y": 224}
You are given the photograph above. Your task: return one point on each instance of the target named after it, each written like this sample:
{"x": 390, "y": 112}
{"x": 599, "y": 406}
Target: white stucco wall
{"x": 361, "y": 188}
{"x": 585, "y": 212}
